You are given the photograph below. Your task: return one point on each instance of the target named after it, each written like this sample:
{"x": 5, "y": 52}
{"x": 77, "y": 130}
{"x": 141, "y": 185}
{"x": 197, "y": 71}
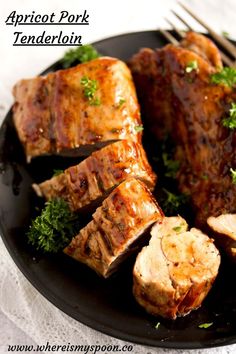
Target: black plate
{"x": 105, "y": 305}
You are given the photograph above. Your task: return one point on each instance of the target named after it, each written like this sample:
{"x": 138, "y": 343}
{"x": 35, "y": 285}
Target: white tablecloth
{"x": 25, "y": 316}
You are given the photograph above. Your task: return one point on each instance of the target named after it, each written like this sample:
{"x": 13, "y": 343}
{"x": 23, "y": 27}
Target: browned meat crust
{"x": 190, "y": 108}
{"x": 53, "y": 116}
{"x": 174, "y": 273}
{"x": 97, "y": 175}
{"x": 123, "y": 217}
{"x": 204, "y": 47}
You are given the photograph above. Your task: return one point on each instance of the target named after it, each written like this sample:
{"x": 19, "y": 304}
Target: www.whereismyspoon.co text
{"x": 45, "y": 39}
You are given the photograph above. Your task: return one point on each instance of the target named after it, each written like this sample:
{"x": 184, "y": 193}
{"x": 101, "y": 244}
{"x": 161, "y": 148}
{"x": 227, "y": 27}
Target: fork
{"x": 228, "y": 52}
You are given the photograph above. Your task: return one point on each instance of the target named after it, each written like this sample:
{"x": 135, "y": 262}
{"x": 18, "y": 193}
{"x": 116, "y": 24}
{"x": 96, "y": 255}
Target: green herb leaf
{"x": 205, "y": 177}
{"x": 230, "y": 122}
{"x": 171, "y": 166}
{"x": 95, "y": 102}
{"x": 54, "y": 228}
{"x": 225, "y": 34}
{"x": 138, "y": 128}
{"x": 80, "y": 54}
{"x": 57, "y": 172}
{"x": 158, "y": 325}
{"x": 173, "y": 202}
{"x": 115, "y": 130}
{"x": 233, "y": 175}
{"x": 177, "y": 228}
{"x": 121, "y": 102}
{"x": 192, "y": 65}
{"x": 90, "y": 88}
{"x": 227, "y": 77}
{"x": 205, "y": 325}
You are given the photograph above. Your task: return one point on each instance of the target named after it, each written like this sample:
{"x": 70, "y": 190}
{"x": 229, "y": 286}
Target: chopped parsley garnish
{"x": 57, "y": 172}
{"x": 115, "y": 130}
{"x": 227, "y": 77}
{"x": 54, "y": 228}
{"x": 173, "y": 202}
{"x": 225, "y": 34}
{"x": 158, "y": 325}
{"x": 177, "y": 228}
{"x": 171, "y": 166}
{"x": 90, "y": 88}
{"x": 138, "y": 128}
{"x": 78, "y": 55}
{"x": 95, "y": 102}
{"x": 192, "y": 65}
{"x": 205, "y": 325}
{"x": 121, "y": 102}
{"x": 233, "y": 175}
{"x": 205, "y": 177}
{"x": 230, "y": 122}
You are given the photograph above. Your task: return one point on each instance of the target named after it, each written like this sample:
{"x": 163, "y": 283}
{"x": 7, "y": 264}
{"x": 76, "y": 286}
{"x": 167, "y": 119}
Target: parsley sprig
{"x": 54, "y": 228}
{"x": 192, "y": 65}
{"x": 90, "y": 87}
{"x": 173, "y": 202}
{"x": 138, "y": 128}
{"x": 230, "y": 121}
{"x": 225, "y": 34}
{"x": 78, "y": 55}
{"x": 205, "y": 325}
{"x": 121, "y": 102}
{"x": 57, "y": 172}
{"x": 179, "y": 229}
{"x": 227, "y": 77}
{"x": 233, "y": 175}
{"x": 171, "y": 166}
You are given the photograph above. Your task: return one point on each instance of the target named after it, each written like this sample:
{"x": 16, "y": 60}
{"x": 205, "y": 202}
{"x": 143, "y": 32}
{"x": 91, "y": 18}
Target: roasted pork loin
{"x": 204, "y": 47}
{"x": 181, "y": 101}
{"x": 96, "y": 176}
{"x": 116, "y": 226}
{"x": 78, "y": 109}
{"x": 224, "y": 227}
{"x": 174, "y": 273}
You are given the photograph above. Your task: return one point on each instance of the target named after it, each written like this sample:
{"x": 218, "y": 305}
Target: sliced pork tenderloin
{"x": 181, "y": 101}
{"x": 77, "y": 110}
{"x": 174, "y": 273}
{"x": 224, "y": 227}
{"x": 116, "y": 228}
{"x": 91, "y": 181}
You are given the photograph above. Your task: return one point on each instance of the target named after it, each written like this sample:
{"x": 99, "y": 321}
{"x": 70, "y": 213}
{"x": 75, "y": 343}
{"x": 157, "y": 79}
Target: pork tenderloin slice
{"x": 32, "y": 114}
{"x": 116, "y": 228}
{"x": 96, "y": 176}
{"x": 204, "y": 47}
{"x": 52, "y": 114}
{"x": 224, "y": 227}
{"x": 174, "y": 273}
{"x": 57, "y": 188}
{"x": 189, "y": 108}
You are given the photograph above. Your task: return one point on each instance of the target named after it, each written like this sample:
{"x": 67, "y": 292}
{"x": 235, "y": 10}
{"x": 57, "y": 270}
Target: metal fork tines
{"x": 228, "y": 52}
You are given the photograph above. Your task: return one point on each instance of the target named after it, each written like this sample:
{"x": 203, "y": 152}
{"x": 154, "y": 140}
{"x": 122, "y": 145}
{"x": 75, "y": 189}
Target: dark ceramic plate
{"x": 105, "y": 305}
